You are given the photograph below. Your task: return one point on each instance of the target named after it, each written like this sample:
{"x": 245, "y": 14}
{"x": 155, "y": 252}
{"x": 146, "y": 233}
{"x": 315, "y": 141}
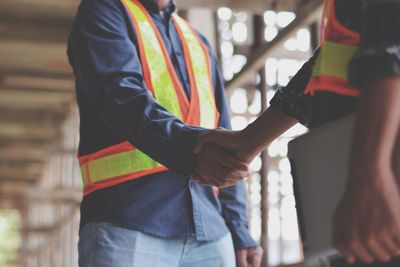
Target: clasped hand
{"x": 222, "y": 159}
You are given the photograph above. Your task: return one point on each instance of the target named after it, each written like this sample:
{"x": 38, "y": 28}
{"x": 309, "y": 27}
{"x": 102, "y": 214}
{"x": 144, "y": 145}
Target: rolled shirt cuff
{"x": 241, "y": 236}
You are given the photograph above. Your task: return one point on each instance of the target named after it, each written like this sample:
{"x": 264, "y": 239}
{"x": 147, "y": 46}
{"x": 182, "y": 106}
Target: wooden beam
{"x": 33, "y": 57}
{"x": 12, "y": 130}
{"x": 62, "y": 194}
{"x": 37, "y": 83}
{"x": 17, "y": 153}
{"x": 306, "y": 15}
{"x": 28, "y": 193}
{"x": 256, "y": 6}
{"x": 27, "y": 174}
{"x": 52, "y": 235}
{"x": 28, "y": 30}
{"x": 61, "y": 11}
{"x": 27, "y": 99}
{"x": 36, "y": 117}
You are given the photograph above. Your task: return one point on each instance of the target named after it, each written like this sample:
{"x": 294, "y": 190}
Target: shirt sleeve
{"x": 379, "y": 54}
{"x": 291, "y": 101}
{"x": 233, "y": 199}
{"x": 108, "y": 70}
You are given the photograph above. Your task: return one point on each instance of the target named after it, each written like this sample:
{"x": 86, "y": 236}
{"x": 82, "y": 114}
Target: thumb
{"x": 241, "y": 258}
{"x": 202, "y": 141}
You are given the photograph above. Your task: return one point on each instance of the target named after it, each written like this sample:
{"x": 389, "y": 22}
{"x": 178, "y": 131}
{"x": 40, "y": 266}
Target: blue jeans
{"x": 107, "y": 245}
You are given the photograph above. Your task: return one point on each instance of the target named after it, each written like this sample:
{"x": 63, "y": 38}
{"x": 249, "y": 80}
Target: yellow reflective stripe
{"x": 201, "y": 75}
{"x": 333, "y": 60}
{"x": 164, "y": 89}
{"x": 84, "y": 175}
{"x": 117, "y": 165}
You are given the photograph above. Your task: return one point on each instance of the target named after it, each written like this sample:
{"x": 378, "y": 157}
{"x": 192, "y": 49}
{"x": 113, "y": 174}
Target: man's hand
{"x": 232, "y": 140}
{"x": 218, "y": 167}
{"x": 367, "y": 221}
{"x": 249, "y": 142}
{"x": 249, "y": 257}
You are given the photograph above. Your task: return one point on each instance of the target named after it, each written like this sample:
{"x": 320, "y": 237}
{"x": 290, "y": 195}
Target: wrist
{"x": 369, "y": 172}
{"x": 250, "y": 147}
{"x": 372, "y": 161}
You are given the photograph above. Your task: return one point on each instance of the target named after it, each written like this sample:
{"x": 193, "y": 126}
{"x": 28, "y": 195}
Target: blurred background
{"x": 260, "y": 44}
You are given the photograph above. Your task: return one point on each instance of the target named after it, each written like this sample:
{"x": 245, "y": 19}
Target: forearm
{"x": 377, "y": 123}
{"x": 264, "y": 130}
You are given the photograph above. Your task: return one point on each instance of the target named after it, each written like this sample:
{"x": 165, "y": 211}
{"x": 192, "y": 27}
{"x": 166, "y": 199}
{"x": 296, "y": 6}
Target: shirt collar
{"x": 153, "y": 7}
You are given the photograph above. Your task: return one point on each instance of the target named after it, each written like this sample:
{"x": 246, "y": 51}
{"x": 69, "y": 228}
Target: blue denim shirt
{"x": 115, "y": 105}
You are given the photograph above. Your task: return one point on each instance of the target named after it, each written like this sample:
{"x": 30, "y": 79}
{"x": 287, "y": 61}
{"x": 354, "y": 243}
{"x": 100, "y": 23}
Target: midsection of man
{"x": 116, "y": 107}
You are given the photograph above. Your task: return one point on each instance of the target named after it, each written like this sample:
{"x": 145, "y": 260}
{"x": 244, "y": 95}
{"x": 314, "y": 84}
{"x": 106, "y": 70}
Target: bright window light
{"x": 273, "y": 149}
{"x": 256, "y": 164}
{"x": 270, "y": 18}
{"x": 227, "y": 49}
{"x": 255, "y": 107}
{"x": 239, "y": 32}
{"x": 241, "y": 16}
{"x": 270, "y": 33}
{"x": 303, "y": 39}
{"x": 291, "y": 44}
{"x": 224, "y": 13}
{"x": 239, "y": 123}
{"x": 239, "y": 101}
{"x": 271, "y": 68}
{"x": 238, "y": 61}
{"x": 284, "y": 18}
{"x": 284, "y": 165}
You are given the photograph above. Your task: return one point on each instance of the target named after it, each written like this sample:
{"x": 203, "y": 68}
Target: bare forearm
{"x": 264, "y": 130}
{"x": 377, "y": 123}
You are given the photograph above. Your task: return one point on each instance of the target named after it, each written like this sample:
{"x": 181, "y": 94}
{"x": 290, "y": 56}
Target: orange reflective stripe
{"x": 198, "y": 62}
{"x": 331, "y": 84}
{"x": 339, "y": 44}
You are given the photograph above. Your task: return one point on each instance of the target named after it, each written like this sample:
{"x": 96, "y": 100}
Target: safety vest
{"x": 123, "y": 162}
{"x": 338, "y": 46}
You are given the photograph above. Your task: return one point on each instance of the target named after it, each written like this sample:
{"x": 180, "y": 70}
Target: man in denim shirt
{"x": 165, "y": 218}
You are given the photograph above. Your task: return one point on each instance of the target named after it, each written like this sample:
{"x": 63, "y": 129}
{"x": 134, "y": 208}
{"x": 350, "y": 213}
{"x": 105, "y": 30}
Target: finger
{"x": 202, "y": 141}
{"x": 377, "y": 249}
{"x": 217, "y": 179}
{"x": 241, "y": 260}
{"x": 390, "y": 245}
{"x": 228, "y": 176}
{"x": 230, "y": 161}
{"x": 350, "y": 258}
{"x": 254, "y": 260}
{"x": 223, "y": 183}
{"x": 360, "y": 252}
{"x": 254, "y": 256}
{"x": 202, "y": 180}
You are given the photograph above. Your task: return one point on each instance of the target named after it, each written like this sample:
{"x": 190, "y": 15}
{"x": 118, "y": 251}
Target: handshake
{"x": 223, "y": 157}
